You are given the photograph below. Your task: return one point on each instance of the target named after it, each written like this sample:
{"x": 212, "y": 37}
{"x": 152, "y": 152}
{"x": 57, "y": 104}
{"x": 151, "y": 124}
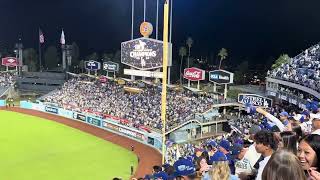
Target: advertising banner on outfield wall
{"x": 3, "y": 103}
{"x": 65, "y": 113}
{"x": 51, "y": 109}
{"x": 94, "y": 121}
{"x": 79, "y": 116}
{"x": 124, "y": 131}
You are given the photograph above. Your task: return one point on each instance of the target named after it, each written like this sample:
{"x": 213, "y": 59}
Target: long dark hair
{"x": 289, "y": 140}
{"x": 283, "y": 165}
{"x": 313, "y": 140}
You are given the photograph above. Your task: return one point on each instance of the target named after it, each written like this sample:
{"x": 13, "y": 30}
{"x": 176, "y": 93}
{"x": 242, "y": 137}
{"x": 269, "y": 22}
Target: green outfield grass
{"x": 37, "y": 149}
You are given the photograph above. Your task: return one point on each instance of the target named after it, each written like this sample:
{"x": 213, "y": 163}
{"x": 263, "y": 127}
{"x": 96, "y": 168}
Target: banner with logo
{"x": 255, "y": 100}
{"x": 144, "y": 53}
{"x": 110, "y": 66}
{"x": 51, "y": 109}
{"x": 92, "y": 65}
{"x": 10, "y": 61}
{"x": 124, "y": 131}
{"x": 194, "y": 74}
{"x": 94, "y": 121}
{"x": 79, "y": 116}
{"x": 221, "y": 77}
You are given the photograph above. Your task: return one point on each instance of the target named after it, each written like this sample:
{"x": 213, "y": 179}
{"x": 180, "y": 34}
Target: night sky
{"x": 253, "y": 30}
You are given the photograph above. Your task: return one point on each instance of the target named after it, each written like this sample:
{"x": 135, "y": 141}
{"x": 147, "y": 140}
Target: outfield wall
{"x": 3, "y": 103}
{"x": 152, "y": 139}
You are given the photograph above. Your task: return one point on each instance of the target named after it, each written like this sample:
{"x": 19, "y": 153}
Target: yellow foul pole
{"x": 164, "y": 76}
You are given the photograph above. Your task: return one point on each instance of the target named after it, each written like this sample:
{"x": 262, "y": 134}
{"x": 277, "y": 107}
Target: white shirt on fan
{"x": 262, "y": 164}
{"x": 245, "y": 165}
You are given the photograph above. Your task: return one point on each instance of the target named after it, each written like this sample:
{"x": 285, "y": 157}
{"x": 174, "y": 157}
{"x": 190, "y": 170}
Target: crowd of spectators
{"x": 7, "y": 79}
{"x": 259, "y": 149}
{"x": 141, "y": 108}
{"x": 302, "y": 69}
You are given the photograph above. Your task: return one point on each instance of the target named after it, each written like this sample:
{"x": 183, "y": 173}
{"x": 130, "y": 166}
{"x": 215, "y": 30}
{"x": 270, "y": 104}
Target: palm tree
{"x": 223, "y": 55}
{"x": 189, "y": 44}
{"x": 182, "y": 53}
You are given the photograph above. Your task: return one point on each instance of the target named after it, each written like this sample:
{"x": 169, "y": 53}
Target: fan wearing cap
{"x": 248, "y": 157}
{"x": 224, "y": 147}
{"x": 243, "y": 164}
{"x": 285, "y": 121}
{"x": 184, "y": 169}
{"x": 306, "y": 121}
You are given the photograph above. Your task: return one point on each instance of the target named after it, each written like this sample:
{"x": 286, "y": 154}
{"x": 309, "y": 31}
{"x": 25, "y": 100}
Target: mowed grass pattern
{"x": 32, "y": 148}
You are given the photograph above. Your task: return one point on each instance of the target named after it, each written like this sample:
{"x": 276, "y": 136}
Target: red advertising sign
{"x": 10, "y": 61}
{"x": 194, "y": 74}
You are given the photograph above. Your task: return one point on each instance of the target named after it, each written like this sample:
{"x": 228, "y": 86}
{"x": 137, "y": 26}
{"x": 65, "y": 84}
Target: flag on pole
{"x": 62, "y": 39}
{"x": 41, "y": 37}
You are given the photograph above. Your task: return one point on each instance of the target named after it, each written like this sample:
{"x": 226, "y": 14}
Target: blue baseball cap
{"x": 225, "y": 144}
{"x": 213, "y": 143}
{"x": 161, "y": 175}
{"x": 184, "y": 167}
{"x": 236, "y": 149}
{"x": 284, "y": 114}
{"x": 218, "y": 156}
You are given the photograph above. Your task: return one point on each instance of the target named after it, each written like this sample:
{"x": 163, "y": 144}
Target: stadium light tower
{"x": 164, "y": 78}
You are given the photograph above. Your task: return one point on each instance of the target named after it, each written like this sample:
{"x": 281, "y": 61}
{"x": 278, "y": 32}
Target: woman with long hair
{"x": 289, "y": 141}
{"x": 283, "y": 165}
{"x": 309, "y": 154}
{"x": 221, "y": 171}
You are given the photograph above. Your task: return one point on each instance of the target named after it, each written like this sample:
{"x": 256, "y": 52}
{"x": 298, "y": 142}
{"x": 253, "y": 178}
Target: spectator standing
{"x": 266, "y": 145}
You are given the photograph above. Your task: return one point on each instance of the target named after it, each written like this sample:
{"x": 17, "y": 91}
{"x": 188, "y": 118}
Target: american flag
{"x": 41, "y": 37}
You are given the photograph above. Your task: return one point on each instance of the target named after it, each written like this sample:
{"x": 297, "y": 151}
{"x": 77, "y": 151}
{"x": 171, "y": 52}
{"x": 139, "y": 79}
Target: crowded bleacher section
{"x": 7, "y": 79}
{"x": 303, "y": 69}
{"x": 135, "y": 109}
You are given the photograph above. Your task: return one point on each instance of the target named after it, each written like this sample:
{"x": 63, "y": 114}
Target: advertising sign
{"x": 10, "y": 61}
{"x": 221, "y": 77}
{"x": 194, "y": 74}
{"x": 151, "y": 74}
{"x": 283, "y": 97}
{"x": 80, "y": 117}
{"x": 143, "y": 53}
{"x": 92, "y": 65}
{"x": 255, "y": 100}
{"x": 124, "y": 131}
{"x": 51, "y": 109}
{"x": 110, "y": 66}
{"x": 3, "y": 103}
{"x": 94, "y": 121}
